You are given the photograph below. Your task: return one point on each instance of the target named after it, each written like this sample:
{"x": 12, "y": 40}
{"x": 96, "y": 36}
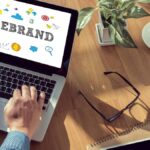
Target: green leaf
{"x": 127, "y": 5}
{"x": 144, "y": 1}
{"x": 85, "y": 15}
{"x": 105, "y": 12}
{"x": 107, "y": 4}
{"x": 121, "y": 37}
{"x": 137, "y": 12}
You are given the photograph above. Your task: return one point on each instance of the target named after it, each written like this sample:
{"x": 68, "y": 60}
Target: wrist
{"x": 21, "y": 129}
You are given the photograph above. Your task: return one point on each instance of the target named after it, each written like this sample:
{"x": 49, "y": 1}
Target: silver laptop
{"x": 35, "y": 46}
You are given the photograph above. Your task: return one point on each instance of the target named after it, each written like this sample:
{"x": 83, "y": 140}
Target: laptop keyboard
{"x": 11, "y": 79}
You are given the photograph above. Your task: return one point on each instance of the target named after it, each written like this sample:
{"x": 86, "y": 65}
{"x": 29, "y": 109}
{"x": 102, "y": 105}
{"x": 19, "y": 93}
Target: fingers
{"x": 17, "y": 93}
{"x": 9, "y": 104}
{"x": 33, "y": 92}
{"x": 26, "y": 92}
{"x": 41, "y": 100}
{"x": 29, "y": 93}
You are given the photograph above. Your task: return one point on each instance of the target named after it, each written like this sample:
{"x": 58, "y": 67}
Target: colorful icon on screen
{"x": 17, "y": 16}
{"x": 4, "y": 46}
{"x": 31, "y": 21}
{"x": 45, "y": 18}
{"x": 56, "y": 27}
{"x": 33, "y": 48}
{"x": 7, "y": 5}
{"x": 31, "y": 11}
{"x": 6, "y": 9}
{"x": 49, "y": 50}
{"x": 52, "y": 17}
{"x": 1, "y": 12}
{"x": 49, "y": 26}
{"x": 34, "y": 13}
{"x": 16, "y": 47}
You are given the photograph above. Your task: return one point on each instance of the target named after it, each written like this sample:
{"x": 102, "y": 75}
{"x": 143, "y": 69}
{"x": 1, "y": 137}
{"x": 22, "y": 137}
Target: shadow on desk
{"x": 75, "y": 124}
{"x": 56, "y": 137}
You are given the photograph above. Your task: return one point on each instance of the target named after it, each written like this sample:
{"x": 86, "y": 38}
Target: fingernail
{"x": 33, "y": 87}
{"x": 42, "y": 94}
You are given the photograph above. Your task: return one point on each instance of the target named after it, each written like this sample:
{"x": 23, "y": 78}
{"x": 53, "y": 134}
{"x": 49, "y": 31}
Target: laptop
{"x": 35, "y": 47}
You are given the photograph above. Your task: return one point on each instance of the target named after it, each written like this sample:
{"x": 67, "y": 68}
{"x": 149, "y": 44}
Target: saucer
{"x": 146, "y": 34}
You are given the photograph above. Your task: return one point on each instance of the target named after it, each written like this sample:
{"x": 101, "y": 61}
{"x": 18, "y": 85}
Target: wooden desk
{"x": 75, "y": 124}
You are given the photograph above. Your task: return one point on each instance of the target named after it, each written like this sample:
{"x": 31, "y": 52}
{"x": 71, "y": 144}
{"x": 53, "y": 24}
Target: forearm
{"x": 16, "y": 141}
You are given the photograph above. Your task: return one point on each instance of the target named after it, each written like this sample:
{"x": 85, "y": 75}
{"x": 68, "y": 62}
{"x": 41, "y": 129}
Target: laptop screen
{"x": 33, "y": 32}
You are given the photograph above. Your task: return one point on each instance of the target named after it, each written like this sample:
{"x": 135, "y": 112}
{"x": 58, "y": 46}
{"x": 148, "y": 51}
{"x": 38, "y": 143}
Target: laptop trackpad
{"x": 2, "y": 122}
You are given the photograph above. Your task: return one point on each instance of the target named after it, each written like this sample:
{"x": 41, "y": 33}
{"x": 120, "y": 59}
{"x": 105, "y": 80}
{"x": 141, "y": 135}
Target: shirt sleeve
{"x": 16, "y": 140}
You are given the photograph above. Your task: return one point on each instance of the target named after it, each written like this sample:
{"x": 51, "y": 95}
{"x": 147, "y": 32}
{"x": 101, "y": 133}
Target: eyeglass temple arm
{"x": 127, "y": 81}
{"x": 117, "y": 115}
{"x": 95, "y": 109}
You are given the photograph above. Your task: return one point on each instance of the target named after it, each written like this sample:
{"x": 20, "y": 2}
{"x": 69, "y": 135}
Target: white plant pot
{"x": 103, "y": 35}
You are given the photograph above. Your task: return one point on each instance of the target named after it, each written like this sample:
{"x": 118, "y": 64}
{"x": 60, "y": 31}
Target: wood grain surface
{"x": 74, "y": 124}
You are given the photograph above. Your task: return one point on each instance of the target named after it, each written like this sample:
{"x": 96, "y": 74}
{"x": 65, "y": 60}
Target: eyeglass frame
{"x": 116, "y": 115}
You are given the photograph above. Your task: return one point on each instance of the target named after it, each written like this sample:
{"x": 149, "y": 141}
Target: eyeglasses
{"x": 118, "y": 114}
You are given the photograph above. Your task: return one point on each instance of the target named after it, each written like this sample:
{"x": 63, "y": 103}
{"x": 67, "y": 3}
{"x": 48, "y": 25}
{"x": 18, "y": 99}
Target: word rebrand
{"x": 31, "y": 32}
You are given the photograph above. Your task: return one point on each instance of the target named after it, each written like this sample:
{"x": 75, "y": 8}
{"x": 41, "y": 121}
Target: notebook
{"x": 138, "y": 133}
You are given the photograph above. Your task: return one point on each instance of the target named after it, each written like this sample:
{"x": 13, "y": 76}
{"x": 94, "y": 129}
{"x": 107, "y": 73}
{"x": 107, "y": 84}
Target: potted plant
{"x": 113, "y": 15}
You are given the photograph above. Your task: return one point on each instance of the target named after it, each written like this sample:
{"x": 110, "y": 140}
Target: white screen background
{"x": 58, "y": 22}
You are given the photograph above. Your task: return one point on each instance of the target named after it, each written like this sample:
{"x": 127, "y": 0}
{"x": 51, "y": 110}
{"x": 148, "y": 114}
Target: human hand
{"x": 23, "y": 111}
